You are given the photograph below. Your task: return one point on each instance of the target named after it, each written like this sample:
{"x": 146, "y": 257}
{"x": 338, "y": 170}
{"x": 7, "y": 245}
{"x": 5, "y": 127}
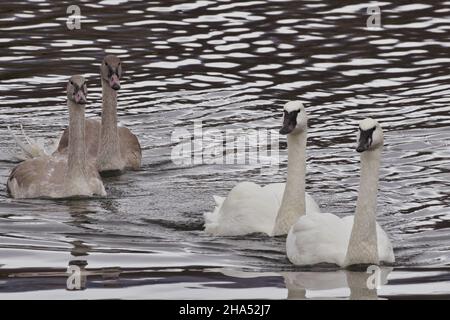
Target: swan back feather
{"x": 324, "y": 238}
{"x": 249, "y": 208}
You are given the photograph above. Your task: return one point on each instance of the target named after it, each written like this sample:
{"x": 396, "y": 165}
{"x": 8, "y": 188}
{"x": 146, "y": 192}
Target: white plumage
{"x": 249, "y": 208}
{"x": 293, "y": 106}
{"x": 272, "y": 209}
{"x": 324, "y": 238}
{"x": 31, "y": 148}
{"x": 356, "y": 239}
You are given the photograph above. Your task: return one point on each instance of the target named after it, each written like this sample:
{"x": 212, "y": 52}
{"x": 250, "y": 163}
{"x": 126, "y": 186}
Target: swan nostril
{"x": 361, "y": 149}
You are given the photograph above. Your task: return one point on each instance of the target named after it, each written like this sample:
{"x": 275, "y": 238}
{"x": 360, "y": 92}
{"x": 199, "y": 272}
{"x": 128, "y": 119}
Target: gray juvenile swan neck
{"x": 109, "y": 157}
{"x": 77, "y": 150}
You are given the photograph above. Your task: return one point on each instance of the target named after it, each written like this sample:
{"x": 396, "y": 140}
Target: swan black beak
{"x": 289, "y": 122}
{"x": 365, "y": 140}
{"x": 361, "y": 148}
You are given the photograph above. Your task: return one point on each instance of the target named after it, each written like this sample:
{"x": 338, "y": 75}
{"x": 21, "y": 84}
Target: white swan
{"x": 274, "y": 208}
{"x": 61, "y": 176}
{"x": 114, "y": 148}
{"x": 351, "y": 240}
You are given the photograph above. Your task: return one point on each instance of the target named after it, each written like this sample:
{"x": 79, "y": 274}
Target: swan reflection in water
{"x": 301, "y": 284}
{"x": 77, "y": 274}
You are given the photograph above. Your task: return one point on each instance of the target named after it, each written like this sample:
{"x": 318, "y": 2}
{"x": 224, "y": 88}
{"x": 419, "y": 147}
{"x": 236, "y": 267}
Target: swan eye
{"x": 106, "y": 63}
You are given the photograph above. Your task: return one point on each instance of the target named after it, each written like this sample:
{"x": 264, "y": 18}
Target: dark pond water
{"x": 232, "y": 65}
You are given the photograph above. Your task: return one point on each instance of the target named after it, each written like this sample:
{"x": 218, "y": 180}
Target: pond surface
{"x": 230, "y": 65}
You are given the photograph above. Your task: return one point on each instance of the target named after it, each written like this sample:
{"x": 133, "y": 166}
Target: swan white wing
{"x": 317, "y": 238}
{"x": 248, "y": 208}
{"x": 311, "y": 204}
{"x": 218, "y": 200}
{"x": 30, "y": 148}
{"x": 385, "y": 249}
{"x": 324, "y": 238}
{"x": 212, "y": 220}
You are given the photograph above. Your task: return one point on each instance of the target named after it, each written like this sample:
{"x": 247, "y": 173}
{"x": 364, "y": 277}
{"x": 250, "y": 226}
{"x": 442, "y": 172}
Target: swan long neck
{"x": 293, "y": 203}
{"x": 109, "y": 149}
{"x": 76, "y": 161}
{"x": 363, "y": 244}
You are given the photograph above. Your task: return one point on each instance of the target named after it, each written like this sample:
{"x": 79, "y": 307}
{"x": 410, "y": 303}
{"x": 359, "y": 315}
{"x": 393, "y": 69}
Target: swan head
{"x": 370, "y": 135}
{"x": 295, "y": 119}
{"x": 77, "y": 89}
{"x": 111, "y": 71}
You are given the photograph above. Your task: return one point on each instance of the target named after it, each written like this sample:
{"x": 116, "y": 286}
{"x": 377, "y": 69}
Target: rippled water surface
{"x": 230, "y": 64}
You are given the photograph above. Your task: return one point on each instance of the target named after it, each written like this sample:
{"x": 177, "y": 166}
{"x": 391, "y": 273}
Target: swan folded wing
{"x": 324, "y": 238}
{"x": 247, "y": 209}
{"x": 212, "y": 218}
{"x": 318, "y": 239}
{"x": 45, "y": 177}
{"x": 385, "y": 250}
{"x": 38, "y": 177}
{"x": 63, "y": 142}
{"x": 218, "y": 200}
{"x": 311, "y": 205}
{"x": 276, "y": 189}
{"x": 130, "y": 148}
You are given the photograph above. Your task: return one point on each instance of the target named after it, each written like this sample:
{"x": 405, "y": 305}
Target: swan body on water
{"x": 352, "y": 240}
{"x": 253, "y": 207}
{"x": 271, "y": 209}
{"x": 61, "y": 176}
{"x": 113, "y": 148}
